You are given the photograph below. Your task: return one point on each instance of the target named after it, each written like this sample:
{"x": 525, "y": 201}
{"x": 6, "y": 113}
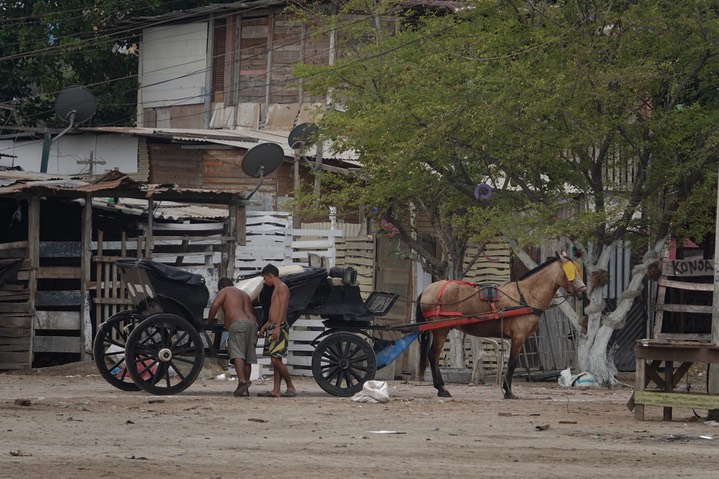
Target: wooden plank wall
{"x": 15, "y": 310}
{"x": 221, "y": 169}
{"x": 684, "y": 300}
{"x": 58, "y": 298}
{"x": 493, "y": 266}
{"x": 175, "y": 166}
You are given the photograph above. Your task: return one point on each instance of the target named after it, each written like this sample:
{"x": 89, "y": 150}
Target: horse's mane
{"x": 539, "y": 268}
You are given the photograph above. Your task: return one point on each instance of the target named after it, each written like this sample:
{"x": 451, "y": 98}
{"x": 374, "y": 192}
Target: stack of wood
{"x": 15, "y": 308}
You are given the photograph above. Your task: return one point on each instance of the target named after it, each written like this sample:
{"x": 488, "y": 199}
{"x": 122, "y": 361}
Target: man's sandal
{"x": 242, "y": 388}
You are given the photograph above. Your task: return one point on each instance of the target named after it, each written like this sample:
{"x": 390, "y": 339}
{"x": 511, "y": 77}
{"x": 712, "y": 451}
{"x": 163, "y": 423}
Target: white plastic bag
{"x": 372, "y": 392}
{"x": 581, "y": 380}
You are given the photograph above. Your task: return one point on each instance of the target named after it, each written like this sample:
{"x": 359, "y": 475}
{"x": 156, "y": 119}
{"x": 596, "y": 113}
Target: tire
{"x": 342, "y": 363}
{"x": 108, "y": 350}
{"x": 165, "y": 353}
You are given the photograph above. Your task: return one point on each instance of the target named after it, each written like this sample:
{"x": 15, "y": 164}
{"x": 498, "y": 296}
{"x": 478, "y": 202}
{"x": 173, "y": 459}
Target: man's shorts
{"x": 277, "y": 347}
{"x": 242, "y": 341}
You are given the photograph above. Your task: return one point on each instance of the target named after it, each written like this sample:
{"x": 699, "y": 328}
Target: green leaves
{"x": 613, "y": 103}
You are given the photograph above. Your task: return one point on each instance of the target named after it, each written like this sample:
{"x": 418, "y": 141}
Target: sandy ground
{"x": 67, "y": 422}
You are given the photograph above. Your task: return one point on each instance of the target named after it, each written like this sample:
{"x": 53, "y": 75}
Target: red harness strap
{"x": 437, "y": 311}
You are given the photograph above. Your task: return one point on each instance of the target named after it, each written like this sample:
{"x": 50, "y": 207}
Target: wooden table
{"x": 655, "y": 364}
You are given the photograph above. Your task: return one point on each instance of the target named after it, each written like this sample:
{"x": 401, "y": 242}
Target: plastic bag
{"x": 581, "y": 380}
{"x": 372, "y": 392}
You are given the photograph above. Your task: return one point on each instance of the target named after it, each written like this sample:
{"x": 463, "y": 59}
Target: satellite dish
{"x": 301, "y": 136}
{"x": 75, "y": 104}
{"x": 262, "y": 160}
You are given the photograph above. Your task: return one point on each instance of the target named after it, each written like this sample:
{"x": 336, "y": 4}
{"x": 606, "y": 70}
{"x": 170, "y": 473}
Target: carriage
{"x": 160, "y": 345}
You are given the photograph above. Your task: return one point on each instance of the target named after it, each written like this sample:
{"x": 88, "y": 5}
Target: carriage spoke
{"x": 348, "y": 378}
{"x": 183, "y": 359}
{"x": 146, "y": 368}
{"x": 179, "y": 340}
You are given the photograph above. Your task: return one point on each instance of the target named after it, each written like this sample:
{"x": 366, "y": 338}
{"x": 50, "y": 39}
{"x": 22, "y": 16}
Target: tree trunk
{"x": 593, "y": 351}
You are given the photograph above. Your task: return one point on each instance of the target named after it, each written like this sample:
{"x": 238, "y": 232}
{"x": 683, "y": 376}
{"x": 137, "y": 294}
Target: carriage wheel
{"x": 342, "y": 363}
{"x": 108, "y": 350}
{"x": 164, "y": 354}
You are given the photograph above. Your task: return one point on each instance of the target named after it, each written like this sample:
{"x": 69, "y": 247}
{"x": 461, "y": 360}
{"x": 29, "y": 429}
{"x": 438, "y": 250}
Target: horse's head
{"x": 571, "y": 280}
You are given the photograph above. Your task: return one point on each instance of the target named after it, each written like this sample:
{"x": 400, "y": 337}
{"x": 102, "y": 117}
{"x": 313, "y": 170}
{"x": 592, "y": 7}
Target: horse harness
{"x": 488, "y": 293}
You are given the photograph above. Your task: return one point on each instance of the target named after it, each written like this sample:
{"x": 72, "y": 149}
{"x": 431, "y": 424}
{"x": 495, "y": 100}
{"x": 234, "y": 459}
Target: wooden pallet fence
{"x": 16, "y": 333}
{"x": 268, "y": 240}
{"x": 189, "y": 244}
{"x": 359, "y": 253}
{"x": 318, "y": 242}
{"x": 300, "y": 349}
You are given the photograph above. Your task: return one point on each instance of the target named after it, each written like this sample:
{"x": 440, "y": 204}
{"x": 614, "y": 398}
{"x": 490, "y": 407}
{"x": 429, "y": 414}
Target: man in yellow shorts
{"x": 276, "y": 331}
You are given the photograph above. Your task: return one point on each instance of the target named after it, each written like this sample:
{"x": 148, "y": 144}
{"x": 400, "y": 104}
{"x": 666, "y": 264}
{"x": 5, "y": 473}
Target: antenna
{"x": 262, "y": 160}
{"x": 74, "y": 104}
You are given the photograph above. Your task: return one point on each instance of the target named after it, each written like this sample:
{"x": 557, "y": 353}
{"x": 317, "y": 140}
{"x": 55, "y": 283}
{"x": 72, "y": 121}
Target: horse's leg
{"x": 507, "y": 384}
{"x": 514, "y": 350}
{"x": 439, "y": 336}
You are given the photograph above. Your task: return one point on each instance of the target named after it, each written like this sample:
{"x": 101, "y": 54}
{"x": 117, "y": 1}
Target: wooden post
{"x": 231, "y": 239}
{"x": 150, "y": 226}
{"x": 295, "y": 216}
{"x": 318, "y": 167}
{"x": 33, "y": 247}
{"x": 713, "y": 386}
{"x": 85, "y": 264}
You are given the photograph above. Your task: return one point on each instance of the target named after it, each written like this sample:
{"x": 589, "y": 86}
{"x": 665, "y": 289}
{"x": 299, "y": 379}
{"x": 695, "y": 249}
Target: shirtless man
{"x": 241, "y": 325}
{"x": 276, "y": 332}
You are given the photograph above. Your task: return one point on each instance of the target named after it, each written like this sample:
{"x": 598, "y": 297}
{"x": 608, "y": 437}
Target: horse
{"x": 529, "y": 297}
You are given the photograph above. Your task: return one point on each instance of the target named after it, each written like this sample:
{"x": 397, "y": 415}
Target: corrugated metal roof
{"x": 168, "y": 210}
{"x": 244, "y": 138}
{"x": 15, "y": 182}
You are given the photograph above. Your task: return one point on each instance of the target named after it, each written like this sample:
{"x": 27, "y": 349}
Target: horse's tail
{"x": 424, "y": 340}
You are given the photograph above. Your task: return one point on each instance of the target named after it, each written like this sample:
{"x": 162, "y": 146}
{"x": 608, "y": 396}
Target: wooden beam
{"x": 65, "y": 320}
{"x": 681, "y": 400}
{"x": 33, "y": 246}
{"x": 685, "y": 285}
{"x": 57, "y": 344}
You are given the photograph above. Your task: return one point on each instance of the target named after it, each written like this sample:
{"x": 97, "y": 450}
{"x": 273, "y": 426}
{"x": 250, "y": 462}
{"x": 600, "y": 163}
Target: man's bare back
{"x": 236, "y": 305}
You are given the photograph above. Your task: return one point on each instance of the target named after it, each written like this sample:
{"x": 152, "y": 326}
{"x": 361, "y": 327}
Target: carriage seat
{"x": 173, "y": 290}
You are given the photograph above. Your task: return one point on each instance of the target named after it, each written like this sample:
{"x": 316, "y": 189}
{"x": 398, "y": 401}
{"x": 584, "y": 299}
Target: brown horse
{"x": 528, "y": 297}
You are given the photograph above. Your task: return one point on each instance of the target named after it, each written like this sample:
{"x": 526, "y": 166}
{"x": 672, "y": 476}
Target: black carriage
{"x": 160, "y": 345}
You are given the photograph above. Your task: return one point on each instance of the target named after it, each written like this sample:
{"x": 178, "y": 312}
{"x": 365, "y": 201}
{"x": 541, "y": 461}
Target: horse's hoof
{"x": 509, "y": 395}
{"x": 444, "y": 394}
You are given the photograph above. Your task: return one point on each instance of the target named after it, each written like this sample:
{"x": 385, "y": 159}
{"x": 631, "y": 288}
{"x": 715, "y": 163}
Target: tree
{"x": 48, "y": 45}
{"x": 609, "y": 105}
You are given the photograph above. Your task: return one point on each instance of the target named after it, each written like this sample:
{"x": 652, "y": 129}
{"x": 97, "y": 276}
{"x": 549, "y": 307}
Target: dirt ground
{"x": 67, "y": 422}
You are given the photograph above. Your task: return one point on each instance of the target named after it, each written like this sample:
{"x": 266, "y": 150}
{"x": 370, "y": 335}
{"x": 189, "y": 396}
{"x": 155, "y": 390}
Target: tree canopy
{"x": 604, "y": 110}
{"x": 610, "y": 102}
